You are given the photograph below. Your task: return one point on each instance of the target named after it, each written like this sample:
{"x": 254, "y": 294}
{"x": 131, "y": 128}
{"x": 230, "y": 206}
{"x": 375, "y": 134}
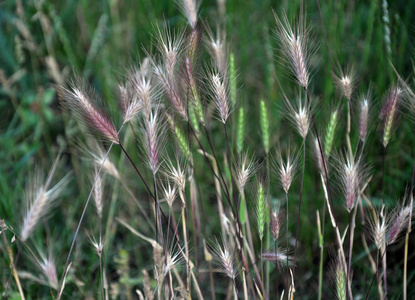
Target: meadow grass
{"x": 146, "y": 151}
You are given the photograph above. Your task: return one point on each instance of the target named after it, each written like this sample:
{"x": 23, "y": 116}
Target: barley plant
{"x": 207, "y": 149}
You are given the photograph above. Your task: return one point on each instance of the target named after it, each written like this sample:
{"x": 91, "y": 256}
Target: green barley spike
{"x": 181, "y": 138}
{"x": 340, "y": 283}
{"x": 232, "y": 78}
{"x": 240, "y": 130}
{"x": 264, "y": 124}
{"x": 328, "y": 143}
{"x": 260, "y": 209}
{"x": 193, "y": 119}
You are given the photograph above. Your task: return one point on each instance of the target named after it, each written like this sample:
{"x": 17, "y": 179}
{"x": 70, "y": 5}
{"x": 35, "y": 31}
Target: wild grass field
{"x": 207, "y": 149}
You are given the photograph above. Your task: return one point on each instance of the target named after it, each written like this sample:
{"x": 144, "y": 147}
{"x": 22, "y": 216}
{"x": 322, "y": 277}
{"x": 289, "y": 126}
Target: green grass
{"x": 101, "y": 40}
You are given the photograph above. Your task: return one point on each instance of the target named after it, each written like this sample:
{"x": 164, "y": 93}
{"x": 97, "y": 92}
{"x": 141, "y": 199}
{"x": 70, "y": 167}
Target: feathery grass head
{"x": 218, "y": 51}
{"x": 319, "y": 155}
{"x": 297, "y": 46}
{"x": 88, "y": 109}
{"x": 279, "y": 258}
{"x": 378, "y": 228}
{"x": 189, "y": 8}
{"x": 352, "y": 176}
{"x": 48, "y": 267}
{"x": 285, "y": 171}
{"x": 276, "y": 217}
{"x": 176, "y": 174}
{"x": 95, "y": 153}
{"x": 169, "y": 46}
{"x": 246, "y": 169}
{"x": 299, "y": 115}
{"x": 346, "y": 82}
{"x": 364, "y": 107}
{"x": 98, "y": 245}
{"x": 98, "y": 192}
{"x": 220, "y": 94}
{"x": 40, "y": 198}
{"x": 169, "y": 194}
{"x": 389, "y": 111}
{"x": 153, "y": 139}
{"x": 398, "y": 221}
{"x": 170, "y": 88}
{"x": 224, "y": 258}
{"x": 143, "y": 91}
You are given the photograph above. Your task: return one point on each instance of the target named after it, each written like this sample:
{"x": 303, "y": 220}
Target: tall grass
{"x": 183, "y": 146}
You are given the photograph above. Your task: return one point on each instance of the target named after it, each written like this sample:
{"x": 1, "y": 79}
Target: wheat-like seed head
{"x": 389, "y": 111}
{"x": 48, "y": 267}
{"x": 220, "y": 95}
{"x": 170, "y": 89}
{"x": 152, "y": 139}
{"x": 246, "y": 168}
{"x": 364, "y": 116}
{"x": 98, "y": 192}
{"x": 224, "y": 257}
{"x": 169, "y": 46}
{"x": 218, "y": 51}
{"x": 142, "y": 92}
{"x": 352, "y": 175}
{"x": 397, "y": 223}
{"x": 285, "y": 171}
{"x": 189, "y": 9}
{"x": 170, "y": 194}
{"x": 296, "y": 45}
{"x": 88, "y": 110}
{"x": 176, "y": 174}
{"x": 276, "y": 217}
{"x": 299, "y": 115}
{"x": 40, "y": 199}
{"x": 346, "y": 82}
{"x": 279, "y": 258}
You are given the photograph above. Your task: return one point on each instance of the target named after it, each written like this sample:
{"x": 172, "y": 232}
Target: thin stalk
{"x": 186, "y": 247}
{"x": 276, "y": 269}
{"x": 349, "y": 144}
{"x": 329, "y": 195}
{"x": 149, "y": 191}
{"x": 374, "y": 276}
{"x": 405, "y": 266}
{"x": 212, "y": 284}
{"x": 230, "y": 171}
{"x": 268, "y": 232}
{"x": 286, "y": 234}
{"x": 384, "y": 265}
{"x": 239, "y": 230}
{"x": 158, "y": 213}
{"x": 320, "y": 274}
{"x": 299, "y": 208}
{"x": 101, "y": 270}
{"x": 13, "y": 267}
{"x": 216, "y": 159}
{"x": 349, "y": 256}
{"x": 59, "y": 291}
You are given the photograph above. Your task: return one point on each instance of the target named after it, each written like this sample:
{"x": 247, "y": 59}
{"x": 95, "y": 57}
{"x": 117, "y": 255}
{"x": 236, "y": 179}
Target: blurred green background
{"x": 44, "y": 43}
